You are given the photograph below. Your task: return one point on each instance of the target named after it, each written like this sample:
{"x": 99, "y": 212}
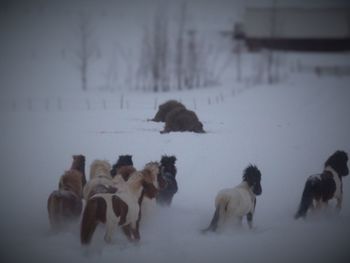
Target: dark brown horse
{"x": 123, "y": 161}
{"x": 65, "y": 204}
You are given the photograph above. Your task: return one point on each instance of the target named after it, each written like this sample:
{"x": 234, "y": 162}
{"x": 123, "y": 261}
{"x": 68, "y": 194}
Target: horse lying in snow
{"x": 65, "y": 204}
{"x": 121, "y": 208}
{"x": 165, "y": 108}
{"x": 232, "y": 204}
{"x": 321, "y": 188}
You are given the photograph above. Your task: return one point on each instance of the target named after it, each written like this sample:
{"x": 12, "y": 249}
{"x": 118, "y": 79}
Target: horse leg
{"x": 127, "y": 232}
{"x": 109, "y": 232}
{"x": 339, "y": 203}
{"x": 250, "y": 220}
{"x": 135, "y": 228}
{"x": 136, "y": 233}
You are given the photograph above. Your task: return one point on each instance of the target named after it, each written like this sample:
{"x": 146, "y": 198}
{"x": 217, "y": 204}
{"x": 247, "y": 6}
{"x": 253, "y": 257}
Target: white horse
{"x": 100, "y": 179}
{"x": 122, "y": 208}
{"x": 232, "y": 204}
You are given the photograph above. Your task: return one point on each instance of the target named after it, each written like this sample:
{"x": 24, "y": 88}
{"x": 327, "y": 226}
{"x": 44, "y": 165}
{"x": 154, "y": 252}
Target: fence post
{"x": 155, "y": 103}
{"x": 122, "y": 101}
{"x": 221, "y": 97}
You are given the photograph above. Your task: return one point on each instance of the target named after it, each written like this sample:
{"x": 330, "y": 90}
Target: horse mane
{"x": 126, "y": 171}
{"x": 123, "y": 160}
{"x": 338, "y": 161}
{"x": 168, "y": 165}
{"x": 100, "y": 168}
{"x": 79, "y": 165}
{"x": 135, "y": 180}
{"x": 251, "y": 171}
{"x": 71, "y": 180}
{"x": 150, "y": 171}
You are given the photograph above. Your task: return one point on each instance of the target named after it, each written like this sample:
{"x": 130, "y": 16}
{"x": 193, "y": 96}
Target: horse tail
{"x": 95, "y": 209}
{"x": 306, "y": 199}
{"x": 54, "y": 208}
{"x": 214, "y": 221}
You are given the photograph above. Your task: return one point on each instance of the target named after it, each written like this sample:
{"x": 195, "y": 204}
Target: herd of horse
{"x": 114, "y": 195}
{"x": 119, "y": 195}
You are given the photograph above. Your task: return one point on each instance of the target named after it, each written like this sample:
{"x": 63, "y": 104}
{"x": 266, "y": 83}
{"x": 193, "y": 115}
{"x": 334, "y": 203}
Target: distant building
{"x": 301, "y": 29}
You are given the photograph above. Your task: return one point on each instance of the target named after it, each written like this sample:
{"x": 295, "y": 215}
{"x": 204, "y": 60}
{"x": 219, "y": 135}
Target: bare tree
{"x": 180, "y": 46}
{"x": 193, "y": 74}
{"x": 160, "y": 52}
{"x": 144, "y": 72}
{"x": 87, "y": 51}
{"x": 270, "y": 56}
{"x": 237, "y": 50}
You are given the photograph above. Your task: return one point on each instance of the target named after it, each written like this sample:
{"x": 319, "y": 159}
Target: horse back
{"x": 235, "y": 200}
{"x": 72, "y": 181}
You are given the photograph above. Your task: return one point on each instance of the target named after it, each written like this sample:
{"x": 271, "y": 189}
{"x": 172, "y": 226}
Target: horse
{"x": 232, "y": 204}
{"x": 122, "y": 208}
{"x": 100, "y": 179}
{"x": 65, "y": 204}
{"x": 319, "y": 189}
{"x": 165, "y": 108}
{"x": 168, "y": 172}
{"x": 123, "y": 160}
{"x": 182, "y": 120}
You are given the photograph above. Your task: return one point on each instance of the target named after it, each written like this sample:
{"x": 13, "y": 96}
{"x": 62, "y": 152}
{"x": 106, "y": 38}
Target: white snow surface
{"x": 288, "y": 130}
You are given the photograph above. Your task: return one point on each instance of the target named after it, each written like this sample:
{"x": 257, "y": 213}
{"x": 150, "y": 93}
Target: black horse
{"x": 123, "y": 160}
{"x": 168, "y": 172}
{"x": 321, "y": 188}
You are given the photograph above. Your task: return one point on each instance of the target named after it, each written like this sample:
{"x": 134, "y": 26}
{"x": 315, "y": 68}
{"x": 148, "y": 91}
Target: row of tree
{"x": 171, "y": 55}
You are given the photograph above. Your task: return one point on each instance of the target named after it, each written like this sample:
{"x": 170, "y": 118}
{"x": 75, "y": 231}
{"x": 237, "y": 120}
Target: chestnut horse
{"x": 65, "y": 204}
{"x": 121, "y": 208}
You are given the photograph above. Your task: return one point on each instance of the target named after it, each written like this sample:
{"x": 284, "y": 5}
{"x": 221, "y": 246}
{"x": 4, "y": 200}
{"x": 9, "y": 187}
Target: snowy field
{"x": 287, "y": 130}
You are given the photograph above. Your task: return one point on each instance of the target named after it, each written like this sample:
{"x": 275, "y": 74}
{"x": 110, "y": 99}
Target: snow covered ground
{"x": 287, "y": 130}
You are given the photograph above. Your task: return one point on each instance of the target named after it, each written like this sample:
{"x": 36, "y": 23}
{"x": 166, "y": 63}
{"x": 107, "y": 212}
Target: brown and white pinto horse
{"x": 121, "y": 208}
{"x": 65, "y": 204}
{"x": 100, "y": 179}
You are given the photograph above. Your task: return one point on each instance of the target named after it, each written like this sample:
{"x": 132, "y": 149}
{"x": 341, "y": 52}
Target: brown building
{"x": 300, "y": 29}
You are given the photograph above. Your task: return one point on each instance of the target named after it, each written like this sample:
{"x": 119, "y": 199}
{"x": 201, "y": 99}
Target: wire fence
{"x": 120, "y": 102}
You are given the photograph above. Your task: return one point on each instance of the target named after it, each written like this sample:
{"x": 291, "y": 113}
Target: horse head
{"x": 152, "y": 176}
{"x": 167, "y": 164}
{"x": 123, "y": 160}
{"x": 71, "y": 181}
{"x": 100, "y": 168}
{"x": 79, "y": 165}
{"x": 338, "y": 161}
{"x": 252, "y": 176}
